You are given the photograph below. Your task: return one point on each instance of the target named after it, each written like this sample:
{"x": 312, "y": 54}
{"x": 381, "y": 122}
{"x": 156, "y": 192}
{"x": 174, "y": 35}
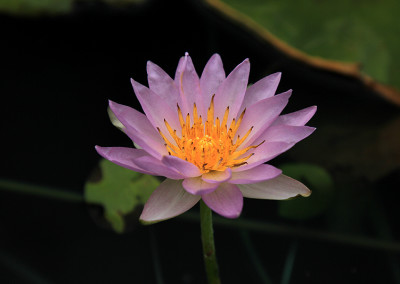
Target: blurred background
{"x": 62, "y": 60}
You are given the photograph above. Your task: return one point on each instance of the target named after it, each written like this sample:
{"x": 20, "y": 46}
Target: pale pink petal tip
{"x": 279, "y": 188}
{"x": 297, "y": 118}
{"x": 226, "y": 200}
{"x": 260, "y": 90}
{"x": 169, "y": 200}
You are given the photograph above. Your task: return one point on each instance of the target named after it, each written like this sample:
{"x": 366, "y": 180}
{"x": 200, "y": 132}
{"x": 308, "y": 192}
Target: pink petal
{"x": 162, "y": 84}
{"x": 226, "y": 200}
{"x": 217, "y": 176}
{"x": 213, "y": 75}
{"x": 178, "y": 76}
{"x": 124, "y": 157}
{"x": 158, "y": 168}
{"x": 180, "y": 68}
{"x": 139, "y": 129}
{"x": 156, "y": 109}
{"x": 186, "y": 168}
{"x": 231, "y": 92}
{"x": 281, "y": 187}
{"x": 257, "y": 174}
{"x": 191, "y": 86}
{"x": 261, "y": 115}
{"x": 188, "y": 84}
{"x": 262, "y": 89}
{"x": 264, "y": 153}
{"x": 169, "y": 200}
{"x": 297, "y": 118}
{"x": 198, "y": 186}
{"x": 285, "y": 133}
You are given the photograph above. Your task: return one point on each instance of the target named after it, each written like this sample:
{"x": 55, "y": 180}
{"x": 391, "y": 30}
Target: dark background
{"x": 56, "y": 75}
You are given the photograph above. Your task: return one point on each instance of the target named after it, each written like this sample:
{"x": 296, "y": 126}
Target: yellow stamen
{"x": 209, "y": 145}
{"x": 225, "y": 119}
{"x": 168, "y": 144}
{"x": 210, "y": 113}
{"x": 239, "y": 121}
{"x": 182, "y": 122}
{"x": 171, "y": 132}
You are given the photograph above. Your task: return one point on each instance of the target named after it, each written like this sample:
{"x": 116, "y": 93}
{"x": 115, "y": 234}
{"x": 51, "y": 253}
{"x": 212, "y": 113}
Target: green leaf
{"x": 120, "y": 191}
{"x": 321, "y": 184}
{"x": 34, "y": 7}
{"x": 356, "y": 38}
{"x": 52, "y": 7}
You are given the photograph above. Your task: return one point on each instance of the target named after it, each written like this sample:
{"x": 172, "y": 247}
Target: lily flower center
{"x": 210, "y": 145}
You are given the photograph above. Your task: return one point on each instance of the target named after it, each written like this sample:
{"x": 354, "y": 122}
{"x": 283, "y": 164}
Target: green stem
{"x": 207, "y": 238}
{"x": 300, "y": 232}
{"x": 41, "y": 191}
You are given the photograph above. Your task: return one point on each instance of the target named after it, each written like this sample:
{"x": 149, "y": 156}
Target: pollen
{"x": 207, "y": 143}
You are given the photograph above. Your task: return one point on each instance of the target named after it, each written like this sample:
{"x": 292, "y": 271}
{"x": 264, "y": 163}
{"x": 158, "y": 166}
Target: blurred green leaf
{"x": 31, "y": 7}
{"x": 51, "y": 7}
{"x": 356, "y": 38}
{"x": 120, "y": 191}
{"x": 321, "y": 184}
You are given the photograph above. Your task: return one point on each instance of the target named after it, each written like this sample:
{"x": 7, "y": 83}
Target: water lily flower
{"x": 210, "y": 136}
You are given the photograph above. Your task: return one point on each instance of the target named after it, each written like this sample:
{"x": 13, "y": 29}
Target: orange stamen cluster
{"x": 210, "y": 145}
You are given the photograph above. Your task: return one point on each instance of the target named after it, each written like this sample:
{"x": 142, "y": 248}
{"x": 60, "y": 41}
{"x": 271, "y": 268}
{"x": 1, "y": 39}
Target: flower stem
{"x": 207, "y": 238}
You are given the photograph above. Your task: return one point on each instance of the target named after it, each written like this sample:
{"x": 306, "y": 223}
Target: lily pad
{"x": 53, "y": 7}
{"x": 321, "y": 184}
{"x": 30, "y": 7}
{"x": 120, "y": 191}
{"x": 355, "y": 38}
